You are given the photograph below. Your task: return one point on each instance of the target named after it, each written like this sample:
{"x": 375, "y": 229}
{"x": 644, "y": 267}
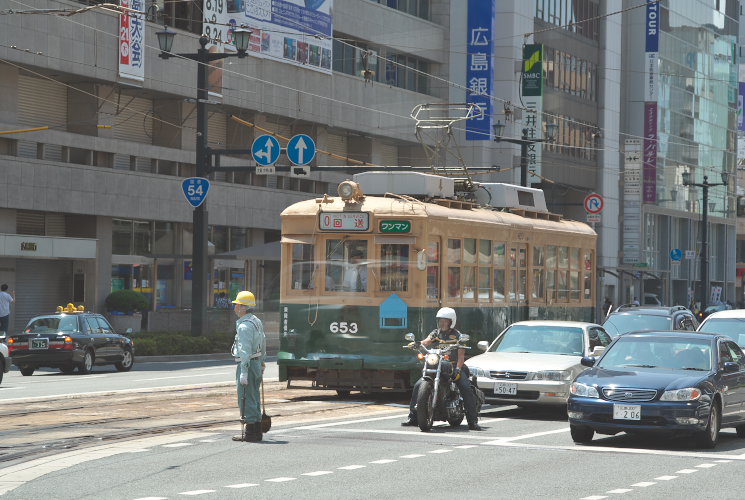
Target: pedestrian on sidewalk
{"x": 249, "y": 350}
{"x": 5, "y": 300}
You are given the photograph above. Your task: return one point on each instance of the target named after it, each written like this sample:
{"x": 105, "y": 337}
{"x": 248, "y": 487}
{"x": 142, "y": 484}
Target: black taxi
{"x": 68, "y": 339}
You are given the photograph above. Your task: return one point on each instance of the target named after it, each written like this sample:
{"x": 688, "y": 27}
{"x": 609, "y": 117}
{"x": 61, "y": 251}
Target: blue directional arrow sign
{"x": 265, "y": 150}
{"x": 195, "y": 190}
{"x": 301, "y": 149}
{"x": 676, "y": 254}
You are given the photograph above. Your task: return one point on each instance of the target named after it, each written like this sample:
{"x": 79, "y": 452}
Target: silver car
{"x": 534, "y": 362}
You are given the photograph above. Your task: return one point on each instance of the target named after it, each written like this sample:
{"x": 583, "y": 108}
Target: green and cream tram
{"x": 360, "y": 270}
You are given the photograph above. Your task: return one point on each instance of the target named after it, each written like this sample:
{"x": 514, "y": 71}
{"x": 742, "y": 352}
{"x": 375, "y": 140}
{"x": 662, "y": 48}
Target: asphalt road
{"x": 522, "y": 454}
{"x": 47, "y": 382}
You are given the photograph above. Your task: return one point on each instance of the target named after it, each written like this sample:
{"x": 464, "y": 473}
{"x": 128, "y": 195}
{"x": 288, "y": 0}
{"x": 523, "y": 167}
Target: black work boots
{"x": 253, "y": 433}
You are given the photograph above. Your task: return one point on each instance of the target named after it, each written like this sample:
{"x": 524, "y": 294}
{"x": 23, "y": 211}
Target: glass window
{"x": 513, "y": 257}
{"x": 394, "y": 268}
{"x": 453, "y": 251}
{"x": 469, "y": 250}
{"x": 142, "y": 238}
{"x": 563, "y": 292}
{"x": 574, "y": 285}
{"x": 346, "y": 265}
{"x": 165, "y": 292}
{"x": 513, "y": 284}
{"x": 498, "y": 254}
{"x": 302, "y": 277}
{"x": 499, "y": 285}
{"x": 551, "y": 257}
{"x": 574, "y": 258}
{"x": 121, "y": 237}
{"x": 220, "y": 238}
{"x": 484, "y": 284}
{"x": 538, "y": 256}
{"x": 433, "y": 270}
{"x": 522, "y": 284}
{"x": 164, "y": 238}
{"x": 484, "y": 252}
{"x": 563, "y": 257}
{"x": 92, "y": 325}
{"x": 587, "y": 287}
{"x": 104, "y": 325}
{"x": 550, "y": 286}
{"x": 522, "y": 257}
{"x": 453, "y": 282}
{"x": 469, "y": 282}
{"x": 536, "y": 291}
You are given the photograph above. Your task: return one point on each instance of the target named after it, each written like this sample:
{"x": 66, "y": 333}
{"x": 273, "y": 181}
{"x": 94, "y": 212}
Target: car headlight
{"x": 584, "y": 390}
{"x": 432, "y": 359}
{"x": 687, "y": 394}
{"x": 555, "y": 375}
{"x": 478, "y": 372}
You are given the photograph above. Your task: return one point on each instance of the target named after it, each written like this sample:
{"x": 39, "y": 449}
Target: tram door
{"x": 519, "y": 273}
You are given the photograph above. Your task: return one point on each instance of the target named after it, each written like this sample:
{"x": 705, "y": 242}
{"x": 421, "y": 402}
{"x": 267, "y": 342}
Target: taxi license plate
{"x": 627, "y": 412}
{"x": 39, "y": 343}
{"x": 509, "y": 388}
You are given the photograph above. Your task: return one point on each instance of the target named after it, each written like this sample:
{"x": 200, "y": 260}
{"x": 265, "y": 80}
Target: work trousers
{"x": 464, "y": 386}
{"x": 252, "y": 408}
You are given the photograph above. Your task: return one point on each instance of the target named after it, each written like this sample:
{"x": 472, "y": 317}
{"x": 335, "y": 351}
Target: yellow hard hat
{"x": 245, "y": 298}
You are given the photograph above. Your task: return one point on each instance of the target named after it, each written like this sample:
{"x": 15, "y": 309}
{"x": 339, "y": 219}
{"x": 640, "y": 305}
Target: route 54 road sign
{"x": 195, "y": 189}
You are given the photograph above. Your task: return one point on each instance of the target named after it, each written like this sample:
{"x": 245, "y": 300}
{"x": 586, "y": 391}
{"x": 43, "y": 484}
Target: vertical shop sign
{"x": 132, "y": 40}
{"x": 480, "y": 67}
{"x": 532, "y": 92}
{"x": 652, "y": 39}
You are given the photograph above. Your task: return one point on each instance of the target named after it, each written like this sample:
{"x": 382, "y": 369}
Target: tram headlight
{"x": 350, "y": 191}
{"x": 433, "y": 359}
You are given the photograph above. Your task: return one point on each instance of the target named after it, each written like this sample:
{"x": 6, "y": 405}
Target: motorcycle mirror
{"x": 463, "y": 338}
{"x": 483, "y": 345}
{"x": 409, "y": 336}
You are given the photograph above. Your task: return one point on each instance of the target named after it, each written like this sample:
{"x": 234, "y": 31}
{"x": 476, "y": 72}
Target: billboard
{"x": 651, "y": 71}
{"x": 532, "y": 92}
{"x": 132, "y": 40}
{"x": 296, "y": 32}
{"x": 480, "y": 67}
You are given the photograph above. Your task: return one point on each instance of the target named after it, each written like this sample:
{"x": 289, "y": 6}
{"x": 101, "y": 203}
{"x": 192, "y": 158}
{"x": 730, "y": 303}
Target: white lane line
{"x": 352, "y": 467}
{"x": 489, "y": 420}
{"x": 345, "y": 422}
{"x": 317, "y": 473}
{"x": 241, "y": 485}
{"x": 177, "y": 445}
{"x": 666, "y": 478}
{"x": 415, "y": 455}
{"x": 594, "y": 497}
{"x": 466, "y": 446}
{"x": 723, "y": 461}
{"x": 280, "y": 479}
{"x": 644, "y": 484}
{"x": 535, "y": 434}
{"x": 443, "y": 450}
{"x": 383, "y": 461}
{"x": 706, "y": 466}
{"x": 620, "y": 491}
{"x": 208, "y": 440}
{"x": 140, "y": 450}
{"x": 152, "y": 498}
{"x": 168, "y": 378}
{"x": 196, "y": 492}
{"x": 686, "y": 471}
{"x": 411, "y": 433}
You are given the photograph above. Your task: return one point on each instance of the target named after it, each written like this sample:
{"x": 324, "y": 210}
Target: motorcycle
{"x": 439, "y": 398}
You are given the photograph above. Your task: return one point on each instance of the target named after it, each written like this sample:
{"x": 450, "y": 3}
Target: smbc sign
{"x": 532, "y": 70}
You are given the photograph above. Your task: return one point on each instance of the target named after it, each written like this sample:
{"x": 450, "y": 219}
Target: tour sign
{"x": 301, "y": 149}
{"x": 265, "y": 150}
{"x": 195, "y": 189}
{"x": 395, "y": 226}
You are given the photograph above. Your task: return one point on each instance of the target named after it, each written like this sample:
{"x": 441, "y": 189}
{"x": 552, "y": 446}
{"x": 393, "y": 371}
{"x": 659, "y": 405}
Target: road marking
{"x": 723, "y": 461}
{"x": 168, "y": 378}
{"x": 280, "y": 479}
{"x": 415, "y": 455}
{"x": 317, "y": 473}
{"x": 177, "y": 445}
{"x": 242, "y": 485}
{"x": 706, "y": 466}
{"x": 442, "y": 450}
{"x": 345, "y": 422}
{"x": 140, "y": 450}
{"x": 466, "y": 446}
{"x": 351, "y": 467}
{"x": 208, "y": 440}
{"x": 452, "y": 435}
{"x": 594, "y": 497}
{"x": 383, "y": 461}
{"x": 644, "y": 484}
{"x": 687, "y": 471}
{"x": 196, "y": 492}
{"x": 666, "y": 478}
{"x": 620, "y": 491}
{"x": 152, "y": 498}
{"x": 535, "y": 434}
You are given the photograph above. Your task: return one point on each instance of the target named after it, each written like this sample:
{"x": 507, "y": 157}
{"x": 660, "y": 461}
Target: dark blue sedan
{"x": 661, "y": 382}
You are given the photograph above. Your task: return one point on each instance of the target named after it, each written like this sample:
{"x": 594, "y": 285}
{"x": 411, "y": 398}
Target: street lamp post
{"x": 704, "y": 229}
{"x": 524, "y": 143}
{"x": 200, "y": 221}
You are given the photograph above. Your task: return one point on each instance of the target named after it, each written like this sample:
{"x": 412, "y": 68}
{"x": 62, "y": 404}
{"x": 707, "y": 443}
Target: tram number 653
{"x": 343, "y": 327}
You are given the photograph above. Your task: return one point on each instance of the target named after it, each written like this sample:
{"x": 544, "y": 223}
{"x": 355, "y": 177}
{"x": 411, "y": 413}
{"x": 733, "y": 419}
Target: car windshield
{"x": 732, "y": 327}
{"x": 541, "y": 339}
{"x": 665, "y": 353}
{"x": 49, "y": 324}
{"x": 617, "y": 324}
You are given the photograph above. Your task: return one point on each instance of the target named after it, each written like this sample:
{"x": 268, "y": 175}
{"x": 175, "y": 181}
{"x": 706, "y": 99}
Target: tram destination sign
{"x": 395, "y": 226}
{"x": 344, "y": 221}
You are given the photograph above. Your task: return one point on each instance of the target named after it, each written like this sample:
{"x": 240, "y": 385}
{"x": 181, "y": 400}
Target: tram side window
{"x": 537, "y": 288}
{"x": 498, "y": 258}
{"x": 574, "y": 265}
{"x": 588, "y": 275}
{"x": 484, "y": 271}
{"x": 346, "y": 265}
{"x": 302, "y": 266}
{"x": 453, "y": 260}
{"x": 394, "y": 268}
{"x": 433, "y": 270}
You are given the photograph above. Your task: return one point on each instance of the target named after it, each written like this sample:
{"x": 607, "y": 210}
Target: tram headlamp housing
{"x": 350, "y": 191}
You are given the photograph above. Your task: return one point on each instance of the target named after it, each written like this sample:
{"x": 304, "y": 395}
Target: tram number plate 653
{"x": 343, "y": 327}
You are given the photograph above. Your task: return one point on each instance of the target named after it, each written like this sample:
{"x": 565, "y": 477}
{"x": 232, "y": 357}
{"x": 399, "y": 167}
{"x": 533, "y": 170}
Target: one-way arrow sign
{"x": 301, "y": 149}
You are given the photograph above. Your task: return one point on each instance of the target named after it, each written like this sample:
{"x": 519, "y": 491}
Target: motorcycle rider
{"x": 446, "y": 332}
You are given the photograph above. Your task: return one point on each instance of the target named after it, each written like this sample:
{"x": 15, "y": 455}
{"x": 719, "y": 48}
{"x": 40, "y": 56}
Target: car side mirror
{"x": 597, "y": 350}
{"x": 463, "y": 338}
{"x": 588, "y": 361}
{"x": 409, "y": 336}
{"x": 731, "y": 367}
{"x": 483, "y": 345}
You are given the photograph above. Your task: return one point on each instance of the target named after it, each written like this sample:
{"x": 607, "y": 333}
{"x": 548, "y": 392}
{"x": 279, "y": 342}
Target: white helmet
{"x": 447, "y": 313}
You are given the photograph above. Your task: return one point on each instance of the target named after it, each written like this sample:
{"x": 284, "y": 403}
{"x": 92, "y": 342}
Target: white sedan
{"x": 5, "y": 361}
{"x": 534, "y": 362}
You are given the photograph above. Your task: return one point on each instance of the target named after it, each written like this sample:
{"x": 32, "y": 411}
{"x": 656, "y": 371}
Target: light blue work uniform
{"x": 249, "y": 350}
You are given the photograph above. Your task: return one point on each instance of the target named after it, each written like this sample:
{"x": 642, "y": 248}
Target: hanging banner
{"x": 480, "y": 68}
{"x": 297, "y": 32}
{"x": 132, "y": 40}
{"x": 651, "y": 71}
{"x": 532, "y": 92}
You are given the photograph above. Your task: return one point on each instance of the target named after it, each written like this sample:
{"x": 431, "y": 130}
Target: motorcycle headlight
{"x": 584, "y": 390}
{"x": 432, "y": 359}
{"x": 554, "y": 375}
{"x": 687, "y": 394}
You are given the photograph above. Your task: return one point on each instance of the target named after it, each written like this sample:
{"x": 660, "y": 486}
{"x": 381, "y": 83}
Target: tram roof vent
{"x": 500, "y": 195}
{"x": 408, "y": 183}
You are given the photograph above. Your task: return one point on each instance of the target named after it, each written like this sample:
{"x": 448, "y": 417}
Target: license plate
{"x": 509, "y": 388}
{"x": 627, "y": 412}
{"x": 39, "y": 343}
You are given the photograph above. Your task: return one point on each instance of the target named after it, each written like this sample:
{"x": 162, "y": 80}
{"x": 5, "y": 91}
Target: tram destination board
{"x": 395, "y": 226}
{"x": 344, "y": 221}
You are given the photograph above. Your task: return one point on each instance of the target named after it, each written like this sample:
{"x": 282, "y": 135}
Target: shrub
{"x": 177, "y": 343}
{"x": 126, "y": 301}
